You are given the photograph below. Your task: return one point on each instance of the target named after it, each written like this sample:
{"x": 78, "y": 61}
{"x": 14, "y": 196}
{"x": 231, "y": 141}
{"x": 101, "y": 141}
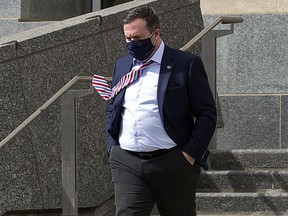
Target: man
{"x": 160, "y": 125}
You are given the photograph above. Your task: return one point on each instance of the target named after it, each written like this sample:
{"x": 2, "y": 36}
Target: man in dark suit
{"x": 159, "y": 126}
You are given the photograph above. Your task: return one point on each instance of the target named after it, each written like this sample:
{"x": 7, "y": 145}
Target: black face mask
{"x": 140, "y": 49}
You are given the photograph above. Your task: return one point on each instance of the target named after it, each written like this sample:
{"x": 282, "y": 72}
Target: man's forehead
{"x": 136, "y": 24}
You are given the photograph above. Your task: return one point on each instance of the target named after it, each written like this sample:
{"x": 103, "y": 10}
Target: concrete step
{"x": 266, "y": 213}
{"x": 272, "y": 202}
{"x": 269, "y": 201}
{"x": 248, "y": 159}
{"x": 235, "y": 204}
{"x": 243, "y": 180}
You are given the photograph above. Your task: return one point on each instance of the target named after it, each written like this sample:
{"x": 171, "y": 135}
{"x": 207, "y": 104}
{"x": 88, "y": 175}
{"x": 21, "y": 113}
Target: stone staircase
{"x": 239, "y": 182}
{"x": 245, "y": 182}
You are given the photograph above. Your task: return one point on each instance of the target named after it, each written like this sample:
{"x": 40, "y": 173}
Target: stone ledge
{"x": 210, "y": 7}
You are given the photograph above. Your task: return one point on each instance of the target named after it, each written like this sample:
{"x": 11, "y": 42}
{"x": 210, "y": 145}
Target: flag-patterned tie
{"x": 102, "y": 87}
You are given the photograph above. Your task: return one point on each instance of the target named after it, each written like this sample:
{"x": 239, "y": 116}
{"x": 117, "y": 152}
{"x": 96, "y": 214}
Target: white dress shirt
{"x": 141, "y": 127}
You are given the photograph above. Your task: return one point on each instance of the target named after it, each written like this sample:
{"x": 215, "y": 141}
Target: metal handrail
{"x": 223, "y": 20}
{"x": 24, "y": 124}
{"x": 58, "y": 94}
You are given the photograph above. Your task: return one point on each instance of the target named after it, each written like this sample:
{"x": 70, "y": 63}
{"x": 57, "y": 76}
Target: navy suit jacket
{"x": 186, "y": 104}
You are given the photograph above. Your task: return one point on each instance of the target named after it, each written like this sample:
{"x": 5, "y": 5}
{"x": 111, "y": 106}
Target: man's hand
{"x": 190, "y": 159}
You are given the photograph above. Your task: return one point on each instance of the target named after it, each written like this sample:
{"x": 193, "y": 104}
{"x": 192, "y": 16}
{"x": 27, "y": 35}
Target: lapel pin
{"x": 169, "y": 67}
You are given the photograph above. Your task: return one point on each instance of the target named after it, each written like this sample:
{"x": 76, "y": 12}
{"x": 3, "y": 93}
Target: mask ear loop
{"x": 155, "y": 39}
{"x": 152, "y": 35}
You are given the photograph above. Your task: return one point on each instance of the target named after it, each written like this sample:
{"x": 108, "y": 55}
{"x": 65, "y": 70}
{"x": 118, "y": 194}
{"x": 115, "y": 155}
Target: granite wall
{"x": 252, "y": 83}
{"x": 34, "y": 65}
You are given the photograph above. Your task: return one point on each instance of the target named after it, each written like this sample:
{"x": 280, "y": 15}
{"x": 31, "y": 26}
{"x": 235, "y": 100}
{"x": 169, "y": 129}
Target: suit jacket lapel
{"x": 123, "y": 68}
{"x": 166, "y": 68}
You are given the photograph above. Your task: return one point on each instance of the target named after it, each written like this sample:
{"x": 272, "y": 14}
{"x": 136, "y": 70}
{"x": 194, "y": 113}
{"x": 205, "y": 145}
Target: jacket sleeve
{"x": 109, "y": 112}
{"x": 110, "y": 140}
{"x": 204, "y": 111}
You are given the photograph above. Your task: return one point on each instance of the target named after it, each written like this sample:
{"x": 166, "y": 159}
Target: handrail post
{"x": 209, "y": 52}
{"x": 69, "y": 150}
{"x": 69, "y": 155}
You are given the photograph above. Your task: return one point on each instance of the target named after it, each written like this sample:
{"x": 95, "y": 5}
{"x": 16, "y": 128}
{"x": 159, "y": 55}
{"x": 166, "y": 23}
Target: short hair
{"x": 145, "y": 13}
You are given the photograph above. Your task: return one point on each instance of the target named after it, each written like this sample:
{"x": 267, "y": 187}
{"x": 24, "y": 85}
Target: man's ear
{"x": 157, "y": 32}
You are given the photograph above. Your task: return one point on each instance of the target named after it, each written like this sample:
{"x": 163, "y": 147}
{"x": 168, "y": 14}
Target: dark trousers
{"x": 168, "y": 180}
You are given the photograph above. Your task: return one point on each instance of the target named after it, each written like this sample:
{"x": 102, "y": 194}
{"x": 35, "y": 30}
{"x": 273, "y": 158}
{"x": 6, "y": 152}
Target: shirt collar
{"x": 157, "y": 57}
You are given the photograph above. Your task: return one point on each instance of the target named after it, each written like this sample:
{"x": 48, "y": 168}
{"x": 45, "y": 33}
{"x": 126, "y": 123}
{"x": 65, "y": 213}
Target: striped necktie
{"x": 102, "y": 87}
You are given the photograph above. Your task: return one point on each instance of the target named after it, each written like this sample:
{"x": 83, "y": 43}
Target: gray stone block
{"x": 250, "y": 122}
{"x": 254, "y": 61}
{"x": 263, "y": 69}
